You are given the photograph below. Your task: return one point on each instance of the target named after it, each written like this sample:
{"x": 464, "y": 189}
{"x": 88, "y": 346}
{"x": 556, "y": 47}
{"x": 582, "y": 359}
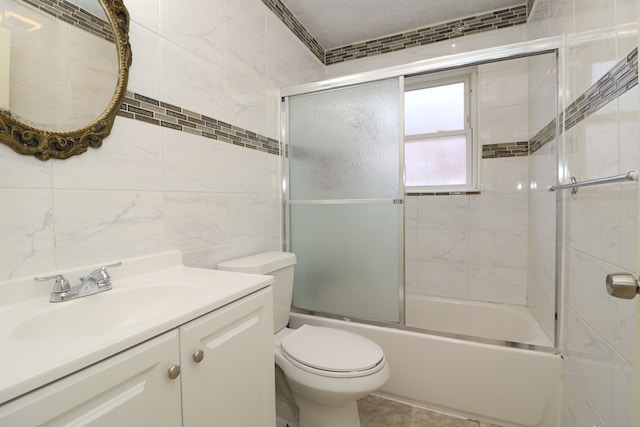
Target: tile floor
{"x": 378, "y": 412}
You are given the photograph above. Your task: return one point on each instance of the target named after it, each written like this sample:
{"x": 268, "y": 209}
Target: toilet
{"x": 327, "y": 369}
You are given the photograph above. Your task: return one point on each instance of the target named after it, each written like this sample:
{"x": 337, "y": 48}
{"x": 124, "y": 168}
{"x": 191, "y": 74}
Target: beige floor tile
{"x": 378, "y": 412}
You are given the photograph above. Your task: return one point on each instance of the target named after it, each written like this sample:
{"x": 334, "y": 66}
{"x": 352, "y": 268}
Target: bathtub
{"x": 503, "y": 322}
{"x": 511, "y": 387}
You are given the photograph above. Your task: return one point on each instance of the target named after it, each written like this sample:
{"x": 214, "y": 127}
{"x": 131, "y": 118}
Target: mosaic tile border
{"x": 158, "y": 113}
{"x": 507, "y": 149}
{"x": 76, "y": 16}
{"x": 620, "y": 79}
{"x": 462, "y": 27}
{"x": 285, "y": 15}
{"x": 459, "y": 28}
{"x": 445, "y": 193}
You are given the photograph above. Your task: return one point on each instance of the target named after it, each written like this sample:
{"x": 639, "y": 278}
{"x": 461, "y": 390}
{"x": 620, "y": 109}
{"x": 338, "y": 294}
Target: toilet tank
{"x": 280, "y": 265}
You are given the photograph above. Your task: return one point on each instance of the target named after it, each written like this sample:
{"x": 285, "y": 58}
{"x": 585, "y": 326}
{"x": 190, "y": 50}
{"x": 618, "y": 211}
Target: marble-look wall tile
{"x": 507, "y": 175}
{"x": 498, "y": 248}
{"x": 124, "y": 162}
{"x": 443, "y": 212}
{"x": 498, "y": 284}
{"x": 23, "y": 171}
{"x": 193, "y": 163}
{"x": 27, "y": 230}
{"x": 198, "y": 27}
{"x": 578, "y": 409}
{"x": 196, "y": 220}
{"x": 445, "y": 246}
{"x": 593, "y": 222}
{"x": 190, "y": 81}
{"x": 94, "y": 226}
{"x": 499, "y": 212}
{"x": 252, "y": 171}
{"x": 248, "y": 216}
{"x": 143, "y": 73}
{"x": 443, "y": 279}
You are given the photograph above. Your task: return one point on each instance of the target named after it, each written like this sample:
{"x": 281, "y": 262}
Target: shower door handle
{"x": 622, "y": 285}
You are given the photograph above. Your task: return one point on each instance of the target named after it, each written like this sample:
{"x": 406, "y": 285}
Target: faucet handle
{"x": 100, "y": 274}
{"x": 61, "y": 282}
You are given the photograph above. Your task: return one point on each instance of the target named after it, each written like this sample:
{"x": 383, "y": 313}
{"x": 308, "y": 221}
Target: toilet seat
{"x": 332, "y": 352}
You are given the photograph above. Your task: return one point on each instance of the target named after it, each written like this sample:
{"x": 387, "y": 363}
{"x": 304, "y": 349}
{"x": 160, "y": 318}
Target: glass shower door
{"x": 343, "y": 176}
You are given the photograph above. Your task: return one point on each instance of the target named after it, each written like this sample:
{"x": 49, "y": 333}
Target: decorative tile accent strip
{"x": 149, "y": 110}
{"x": 547, "y": 134}
{"x": 621, "y": 78}
{"x": 462, "y": 27}
{"x": 285, "y": 15}
{"x": 530, "y": 6}
{"x": 507, "y": 149}
{"x": 446, "y": 193}
{"x": 76, "y": 16}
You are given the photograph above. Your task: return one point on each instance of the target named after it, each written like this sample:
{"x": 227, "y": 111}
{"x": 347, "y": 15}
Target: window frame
{"x": 468, "y": 76}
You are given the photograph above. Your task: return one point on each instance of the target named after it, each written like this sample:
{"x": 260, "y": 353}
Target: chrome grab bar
{"x": 629, "y": 176}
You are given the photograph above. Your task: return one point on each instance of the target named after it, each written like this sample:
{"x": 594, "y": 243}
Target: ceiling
{"x": 336, "y": 23}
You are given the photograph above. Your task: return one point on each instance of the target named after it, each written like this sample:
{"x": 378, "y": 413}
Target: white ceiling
{"x": 337, "y": 23}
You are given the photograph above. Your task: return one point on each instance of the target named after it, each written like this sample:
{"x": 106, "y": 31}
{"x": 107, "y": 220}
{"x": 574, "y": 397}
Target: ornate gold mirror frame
{"x": 44, "y": 144}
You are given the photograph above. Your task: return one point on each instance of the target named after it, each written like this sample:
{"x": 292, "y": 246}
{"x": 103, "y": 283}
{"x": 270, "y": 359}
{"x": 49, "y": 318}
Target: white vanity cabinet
{"x": 232, "y": 385}
{"x": 119, "y": 391}
{"x": 227, "y": 366}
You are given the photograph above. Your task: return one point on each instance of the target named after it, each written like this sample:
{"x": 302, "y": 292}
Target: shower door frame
{"x": 512, "y": 51}
{"x": 286, "y": 202}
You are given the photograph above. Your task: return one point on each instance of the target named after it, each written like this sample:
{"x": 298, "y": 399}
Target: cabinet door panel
{"x": 233, "y": 385}
{"x": 129, "y": 389}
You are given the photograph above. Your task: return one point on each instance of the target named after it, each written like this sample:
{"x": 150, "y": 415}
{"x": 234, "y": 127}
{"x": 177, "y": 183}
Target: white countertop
{"x": 77, "y": 333}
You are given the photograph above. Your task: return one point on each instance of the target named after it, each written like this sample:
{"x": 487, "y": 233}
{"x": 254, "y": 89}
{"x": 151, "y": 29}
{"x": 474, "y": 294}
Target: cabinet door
{"x": 233, "y": 384}
{"x": 129, "y": 389}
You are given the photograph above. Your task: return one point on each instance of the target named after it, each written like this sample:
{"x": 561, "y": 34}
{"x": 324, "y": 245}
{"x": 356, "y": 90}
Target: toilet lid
{"x": 331, "y": 349}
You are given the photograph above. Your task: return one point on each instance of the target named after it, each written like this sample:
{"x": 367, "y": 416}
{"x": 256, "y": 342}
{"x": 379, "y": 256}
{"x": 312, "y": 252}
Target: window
{"x": 440, "y": 153}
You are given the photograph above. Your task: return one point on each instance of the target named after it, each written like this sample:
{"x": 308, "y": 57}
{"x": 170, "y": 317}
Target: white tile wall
{"x": 150, "y": 189}
{"x": 601, "y": 223}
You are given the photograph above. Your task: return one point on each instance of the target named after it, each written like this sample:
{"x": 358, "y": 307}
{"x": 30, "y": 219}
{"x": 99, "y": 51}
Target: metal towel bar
{"x": 629, "y": 176}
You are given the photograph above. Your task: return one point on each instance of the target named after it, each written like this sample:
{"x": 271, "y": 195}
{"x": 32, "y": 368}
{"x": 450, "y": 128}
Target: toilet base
{"x": 313, "y": 414}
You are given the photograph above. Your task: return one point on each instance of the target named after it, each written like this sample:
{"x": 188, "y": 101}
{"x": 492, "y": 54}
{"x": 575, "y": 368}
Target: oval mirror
{"x": 63, "y": 73}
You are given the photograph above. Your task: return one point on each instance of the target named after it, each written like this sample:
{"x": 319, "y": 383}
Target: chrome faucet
{"x": 95, "y": 282}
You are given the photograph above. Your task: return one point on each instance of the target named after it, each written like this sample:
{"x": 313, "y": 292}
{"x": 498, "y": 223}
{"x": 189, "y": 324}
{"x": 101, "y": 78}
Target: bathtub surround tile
{"x": 590, "y": 362}
{"x": 444, "y": 246}
{"x": 443, "y": 279}
{"x": 512, "y": 213}
{"x": 450, "y": 212}
{"x": 498, "y": 284}
{"x": 498, "y": 248}
{"x": 509, "y": 175}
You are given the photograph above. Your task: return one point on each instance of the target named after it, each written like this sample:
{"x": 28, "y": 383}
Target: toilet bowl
{"x": 327, "y": 369}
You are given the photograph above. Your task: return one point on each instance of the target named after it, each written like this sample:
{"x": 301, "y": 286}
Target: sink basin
{"x": 107, "y": 311}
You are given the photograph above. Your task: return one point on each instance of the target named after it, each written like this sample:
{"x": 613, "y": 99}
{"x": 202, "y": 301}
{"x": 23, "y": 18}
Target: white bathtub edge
{"x": 501, "y": 385}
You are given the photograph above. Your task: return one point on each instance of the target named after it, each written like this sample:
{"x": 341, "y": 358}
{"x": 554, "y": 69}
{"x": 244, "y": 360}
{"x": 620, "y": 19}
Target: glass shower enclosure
{"x": 343, "y": 187}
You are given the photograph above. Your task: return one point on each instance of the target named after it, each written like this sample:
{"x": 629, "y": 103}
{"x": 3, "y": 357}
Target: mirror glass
{"x": 59, "y": 62}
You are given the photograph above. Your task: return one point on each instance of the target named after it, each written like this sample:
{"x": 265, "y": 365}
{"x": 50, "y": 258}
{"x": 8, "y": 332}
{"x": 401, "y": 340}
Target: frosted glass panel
{"x": 434, "y": 109}
{"x": 349, "y": 259}
{"x": 344, "y": 143}
{"x": 436, "y": 161}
